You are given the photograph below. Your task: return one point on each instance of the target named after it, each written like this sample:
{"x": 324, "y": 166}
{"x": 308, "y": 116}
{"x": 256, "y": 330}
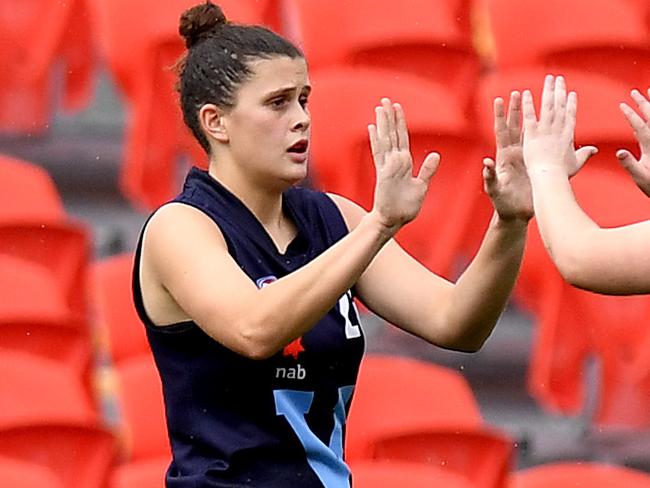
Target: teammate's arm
{"x": 613, "y": 261}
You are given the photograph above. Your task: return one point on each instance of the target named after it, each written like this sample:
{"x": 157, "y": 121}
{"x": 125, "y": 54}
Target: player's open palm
{"x": 505, "y": 179}
{"x": 638, "y": 169}
{"x": 549, "y": 141}
{"x": 398, "y": 194}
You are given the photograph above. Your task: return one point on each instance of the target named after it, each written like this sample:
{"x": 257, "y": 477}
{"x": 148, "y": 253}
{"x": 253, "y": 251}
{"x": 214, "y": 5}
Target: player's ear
{"x": 212, "y": 122}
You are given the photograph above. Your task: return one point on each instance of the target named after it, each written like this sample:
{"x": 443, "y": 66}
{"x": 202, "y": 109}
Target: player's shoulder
{"x": 178, "y": 214}
{"x": 182, "y": 224}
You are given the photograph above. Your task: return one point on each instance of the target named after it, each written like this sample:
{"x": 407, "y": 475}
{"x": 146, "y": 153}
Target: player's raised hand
{"x": 504, "y": 178}
{"x": 398, "y": 193}
{"x": 639, "y": 169}
{"x": 549, "y": 141}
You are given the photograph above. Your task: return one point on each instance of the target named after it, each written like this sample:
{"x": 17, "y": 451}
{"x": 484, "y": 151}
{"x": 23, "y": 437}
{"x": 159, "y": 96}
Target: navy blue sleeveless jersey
{"x": 274, "y": 423}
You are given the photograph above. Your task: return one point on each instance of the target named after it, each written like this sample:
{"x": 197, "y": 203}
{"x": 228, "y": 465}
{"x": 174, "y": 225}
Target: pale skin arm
{"x": 638, "y": 169}
{"x": 611, "y": 261}
{"x": 185, "y": 257}
{"x": 457, "y": 316}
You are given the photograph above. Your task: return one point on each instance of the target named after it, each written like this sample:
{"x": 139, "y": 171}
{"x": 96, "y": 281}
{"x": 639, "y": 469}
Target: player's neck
{"x": 264, "y": 202}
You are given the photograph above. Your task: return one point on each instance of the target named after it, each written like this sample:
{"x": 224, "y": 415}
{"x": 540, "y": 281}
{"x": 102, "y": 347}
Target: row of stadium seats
{"x": 50, "y": 419}
{"x": 57, "y": 299}
{"x": 433, "y": 41}
{"x": 51, "y": 425}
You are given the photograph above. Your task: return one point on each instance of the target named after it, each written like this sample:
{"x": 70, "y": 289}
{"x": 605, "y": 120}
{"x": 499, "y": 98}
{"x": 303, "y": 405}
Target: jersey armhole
{"x": 136, "y": 288}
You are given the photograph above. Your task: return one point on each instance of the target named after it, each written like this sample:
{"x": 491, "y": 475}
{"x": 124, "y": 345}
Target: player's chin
{"x": 294, "y": 179}
{"x": 296, "y": 173}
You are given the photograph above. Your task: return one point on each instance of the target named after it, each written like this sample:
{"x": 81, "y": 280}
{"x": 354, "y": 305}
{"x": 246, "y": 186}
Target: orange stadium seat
{"x": 378, "y": 474}
{"x": 65, "y": 341}
{"x": 20, "y": 282}
{"x": 387, "y": 35}
{"x": 35, "y": 53}
{"x": 143, "y": 410}
{"x": 32, "y": 192}
{"x": 20, "y": 474}
{"x": 58, "y": 253}
{"x": 140, "y": 43}
{"x": 114, "y": 309}
{"x": 342, "y": 162}
{"x": 43, "y": 252}
{"x": 482, "y": 458}
{"x": 47, "y": 417}
{"x": 35, "y": 389}
{"x": 612, "y": 39}
{"x": 577, "y": 475}
{"x": 80, "y": 455}
{"x": 433, "y": 420}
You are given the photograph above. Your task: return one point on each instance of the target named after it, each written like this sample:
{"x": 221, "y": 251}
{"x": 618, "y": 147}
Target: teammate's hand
{"x": 548, "y": 142}
{"x": 398, "y": 194}
{"x": 504, "y": 178}
{"x": 638, "y": 169}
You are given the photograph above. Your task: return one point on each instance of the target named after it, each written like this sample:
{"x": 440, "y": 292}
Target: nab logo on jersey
{"x": 298, "y": 372}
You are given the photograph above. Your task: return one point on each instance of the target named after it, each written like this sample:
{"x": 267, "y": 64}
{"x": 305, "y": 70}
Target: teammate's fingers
{"x": 514, "y": 114}
{"x": 584, "y": 153}
{"x": 489, "y": 172}
{"x": 559, "y": 100}
{"x": 641, "y": 129}
{"x": 571, "y": 113}
{"x": 636, "y": 170}
{"x": 641, "y": 102}
{"x": 528, "y": 109}
{"x": 548, "y": 101}
{"x": 500, "y": 126}
{"x": 628, "y": 161}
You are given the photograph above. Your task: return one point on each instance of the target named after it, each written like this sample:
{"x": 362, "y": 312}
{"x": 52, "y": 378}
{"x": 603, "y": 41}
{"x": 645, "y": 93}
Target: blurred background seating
{"x": 91, "y": 139}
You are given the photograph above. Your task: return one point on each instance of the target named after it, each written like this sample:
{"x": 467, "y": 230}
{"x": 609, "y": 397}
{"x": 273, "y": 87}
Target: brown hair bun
{"x": 200, "y": 21}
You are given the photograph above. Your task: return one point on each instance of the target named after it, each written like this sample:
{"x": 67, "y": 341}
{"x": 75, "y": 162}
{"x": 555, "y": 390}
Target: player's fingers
{"x": 387, "y": 105}
{"x": 402, "y": 129}
{"x": 375, "y": 148}
{"x": 514, "y": 115}
{"x": 500, "y": 125}
{"x": 641, "y": 102}
{"x": 559, "y": 100}
{"x": 528, "y": 109}
{"x": 429, "y": 167}
{"x": 548, "y": 101}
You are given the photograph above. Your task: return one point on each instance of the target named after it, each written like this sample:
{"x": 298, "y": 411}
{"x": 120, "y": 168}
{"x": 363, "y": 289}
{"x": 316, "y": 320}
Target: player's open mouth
{"x": 299, "y": 147}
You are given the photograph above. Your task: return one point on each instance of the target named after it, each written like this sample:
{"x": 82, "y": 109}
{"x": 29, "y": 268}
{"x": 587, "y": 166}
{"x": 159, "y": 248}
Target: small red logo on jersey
{"x": 294, "y": 348}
